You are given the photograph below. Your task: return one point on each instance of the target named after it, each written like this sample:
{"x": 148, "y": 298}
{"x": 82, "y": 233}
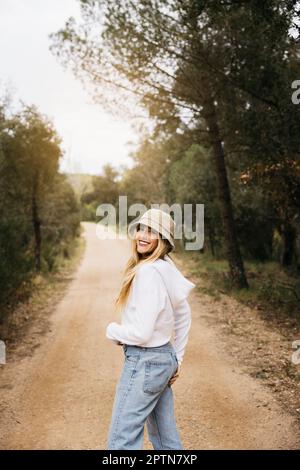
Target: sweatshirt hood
{"x": 178, "y": 286}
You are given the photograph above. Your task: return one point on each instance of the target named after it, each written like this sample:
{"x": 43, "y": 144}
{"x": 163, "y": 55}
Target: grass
{"x": 39, "y": 295}
{"x": 272, "y": 290}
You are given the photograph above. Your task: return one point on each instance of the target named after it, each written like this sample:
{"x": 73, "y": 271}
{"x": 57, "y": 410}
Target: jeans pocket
{"x": 132, "y": 357}
{"x": 157, "y": 376}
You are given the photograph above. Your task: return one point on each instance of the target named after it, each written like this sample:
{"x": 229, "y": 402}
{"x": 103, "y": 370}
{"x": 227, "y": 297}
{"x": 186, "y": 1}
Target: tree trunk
{"x": 288, "y": 234}
{"x": 211, "y": 236}
{"x": 36, "y": 229}
{"x": 236, "y": 265}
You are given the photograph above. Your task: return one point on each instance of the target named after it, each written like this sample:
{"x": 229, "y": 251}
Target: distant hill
{"x": 81, "y": 182}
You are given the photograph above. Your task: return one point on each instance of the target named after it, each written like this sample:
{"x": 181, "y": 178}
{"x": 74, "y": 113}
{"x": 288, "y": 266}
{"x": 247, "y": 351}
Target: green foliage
{"x": 39, "y": 214}
{"x": 221, "y": 74}
{"x": 61, "y": 216}
{"x": 146, "y": 182}
{"x": 104, "y": 189}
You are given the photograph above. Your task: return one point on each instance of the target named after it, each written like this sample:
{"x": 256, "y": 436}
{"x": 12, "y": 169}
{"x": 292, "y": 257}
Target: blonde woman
{"x": 154, "y": 304}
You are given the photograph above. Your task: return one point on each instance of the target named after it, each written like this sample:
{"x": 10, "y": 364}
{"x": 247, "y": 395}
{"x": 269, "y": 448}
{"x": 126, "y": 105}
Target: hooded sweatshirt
{"x": 156, "y": 308}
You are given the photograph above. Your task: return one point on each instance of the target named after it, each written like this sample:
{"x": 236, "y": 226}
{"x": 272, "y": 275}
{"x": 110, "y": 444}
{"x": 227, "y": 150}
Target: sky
{"x": 91, "y": 137}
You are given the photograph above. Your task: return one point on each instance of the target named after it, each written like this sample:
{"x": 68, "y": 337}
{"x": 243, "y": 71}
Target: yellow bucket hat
{"x": 159, "y": 221}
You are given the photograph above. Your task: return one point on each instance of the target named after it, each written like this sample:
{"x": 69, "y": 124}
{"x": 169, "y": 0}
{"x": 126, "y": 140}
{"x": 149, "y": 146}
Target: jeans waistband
{"x": 163, "y": 348}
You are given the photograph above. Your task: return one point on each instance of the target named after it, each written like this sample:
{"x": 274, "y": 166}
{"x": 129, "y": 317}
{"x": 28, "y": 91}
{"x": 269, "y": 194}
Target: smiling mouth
{"x": 143, "y": 243}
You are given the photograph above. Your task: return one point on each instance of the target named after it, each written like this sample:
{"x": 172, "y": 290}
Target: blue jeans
{"x": 143, "y": 395}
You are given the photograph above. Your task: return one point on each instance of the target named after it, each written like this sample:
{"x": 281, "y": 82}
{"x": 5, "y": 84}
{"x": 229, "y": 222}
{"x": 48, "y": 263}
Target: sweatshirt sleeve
{"x": 182, "y": 324}
{"x": 148, "y": 300}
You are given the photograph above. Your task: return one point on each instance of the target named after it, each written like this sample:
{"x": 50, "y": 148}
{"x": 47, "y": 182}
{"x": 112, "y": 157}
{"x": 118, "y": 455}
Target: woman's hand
{"x": 174, "y": 377}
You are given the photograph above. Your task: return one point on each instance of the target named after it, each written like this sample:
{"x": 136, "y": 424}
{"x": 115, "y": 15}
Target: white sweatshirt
{"x": 157, "y": 305}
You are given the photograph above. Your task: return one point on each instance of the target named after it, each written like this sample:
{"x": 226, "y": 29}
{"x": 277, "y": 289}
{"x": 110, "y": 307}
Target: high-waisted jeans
{"x": 144, "y": 396}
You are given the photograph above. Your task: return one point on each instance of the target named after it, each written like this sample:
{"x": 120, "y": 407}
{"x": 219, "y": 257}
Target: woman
{"x": 154, "y": 296}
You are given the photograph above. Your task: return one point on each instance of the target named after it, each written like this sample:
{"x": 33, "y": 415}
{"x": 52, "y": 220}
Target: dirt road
{"x": 61, "y": 397}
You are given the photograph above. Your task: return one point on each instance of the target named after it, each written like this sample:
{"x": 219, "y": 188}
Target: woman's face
{"x": 146, "y": 239}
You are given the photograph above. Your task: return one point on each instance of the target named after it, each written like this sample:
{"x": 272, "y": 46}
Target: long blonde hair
{"x": 136, "y": 259}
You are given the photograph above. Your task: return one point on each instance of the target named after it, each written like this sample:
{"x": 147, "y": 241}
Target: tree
{"x": 105, "y": 187}
{"x": 32, "y": 150}
{"x": 181, "y": 60}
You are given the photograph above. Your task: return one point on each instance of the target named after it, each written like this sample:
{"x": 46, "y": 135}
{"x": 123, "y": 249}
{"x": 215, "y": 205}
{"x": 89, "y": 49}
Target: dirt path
{"x": 61, "y": 397}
